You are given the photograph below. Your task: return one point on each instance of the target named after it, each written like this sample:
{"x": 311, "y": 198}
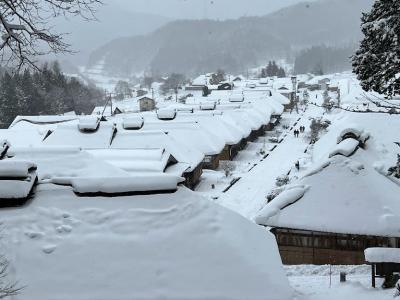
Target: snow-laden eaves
{"x": 382, "y": 255}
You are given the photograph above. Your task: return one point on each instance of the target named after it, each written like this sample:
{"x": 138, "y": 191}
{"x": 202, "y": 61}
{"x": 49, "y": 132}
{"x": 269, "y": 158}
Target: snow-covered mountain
{"x": 112, "y": 22}
{"x": 192, "y": 46}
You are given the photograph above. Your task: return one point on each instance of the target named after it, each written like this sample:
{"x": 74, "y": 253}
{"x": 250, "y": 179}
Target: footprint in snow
{"x": 48, "y": 249}
{"x": 64, "y": 229}
{"x": 34, "y": 235}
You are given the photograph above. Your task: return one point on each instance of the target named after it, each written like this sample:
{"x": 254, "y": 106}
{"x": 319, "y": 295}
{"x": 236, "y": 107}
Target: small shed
{"x": 385, "y": 262}
{"x": 147, "y": 104}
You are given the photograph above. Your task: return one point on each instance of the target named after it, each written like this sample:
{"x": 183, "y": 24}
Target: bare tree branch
{"x": 25, "y": 33}
{"x": 7, "y": 289}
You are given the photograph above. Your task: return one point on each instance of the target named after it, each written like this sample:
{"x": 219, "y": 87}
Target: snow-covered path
{"x": 248, "y": 195}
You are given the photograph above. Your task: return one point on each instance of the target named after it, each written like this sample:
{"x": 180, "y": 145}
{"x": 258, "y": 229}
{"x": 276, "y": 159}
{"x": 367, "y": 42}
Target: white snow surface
{"x": 382, "y": 255}
{"x": 70, "y": 135}
{"x": 166, "y": 114}
{"x": 170, "y": 246}
{"x": 140, "y": 182}
{"x": 284, "y": 199}
{"x": 15, "y": 168}
{"x": 133, "y": 122}
{"x": 345, "y": 197}
{"x": 346, "y": 147}
{"x": 88, "y": 123}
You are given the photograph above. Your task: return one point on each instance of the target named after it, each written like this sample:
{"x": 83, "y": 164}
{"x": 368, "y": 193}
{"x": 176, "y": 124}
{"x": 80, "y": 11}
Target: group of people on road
{"x": 298, "y": 131}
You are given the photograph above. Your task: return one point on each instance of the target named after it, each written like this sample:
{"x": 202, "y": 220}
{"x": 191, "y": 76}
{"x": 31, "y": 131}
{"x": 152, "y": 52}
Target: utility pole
{"x": 294, "y": 97}
{"x": 111, "y": 104}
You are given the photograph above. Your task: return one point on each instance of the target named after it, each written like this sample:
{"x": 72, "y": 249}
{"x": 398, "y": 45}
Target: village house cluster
{"x": 143, "y": 148}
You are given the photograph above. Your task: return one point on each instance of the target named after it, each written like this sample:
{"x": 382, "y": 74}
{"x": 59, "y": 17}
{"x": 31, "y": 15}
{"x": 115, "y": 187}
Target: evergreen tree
{"x": 281, "y": 73}
{"x": 377, "y": 61}
{"x": 45, "y": 92}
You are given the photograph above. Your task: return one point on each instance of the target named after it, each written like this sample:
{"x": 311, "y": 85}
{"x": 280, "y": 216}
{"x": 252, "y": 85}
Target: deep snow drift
{"x": 170, "y": 246}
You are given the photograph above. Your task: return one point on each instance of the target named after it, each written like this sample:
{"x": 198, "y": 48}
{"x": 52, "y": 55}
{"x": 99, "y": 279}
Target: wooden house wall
{"x": 211, "y": 162}
{"x": 308, "y": 247}
{"x": 193, "y": 178}
{"x": 230, "y": 152}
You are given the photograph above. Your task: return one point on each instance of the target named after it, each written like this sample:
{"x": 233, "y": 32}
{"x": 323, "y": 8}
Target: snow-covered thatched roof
{"x": 169, "y": 246}
{"x": 344, "y": 197}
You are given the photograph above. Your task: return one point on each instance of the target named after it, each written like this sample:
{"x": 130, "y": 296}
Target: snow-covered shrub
{"x": 228, "y": 167}
{"x": 263, "y": 149}
{"x": 395, "y": 171}
{"x": 317, "y": 126}
{"x": 282, "y": 180}
{"x": 273, "y": 194}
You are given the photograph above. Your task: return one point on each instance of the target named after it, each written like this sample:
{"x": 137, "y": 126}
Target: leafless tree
{"x": 384, "y": 105}
{"x": 25, "y": 30}
{"x": 7, "y": 288}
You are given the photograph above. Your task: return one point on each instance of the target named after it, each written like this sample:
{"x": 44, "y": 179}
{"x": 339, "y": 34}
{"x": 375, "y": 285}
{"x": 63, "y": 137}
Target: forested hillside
{"x": 44, "y": 92}
{"x": 197, "y": 46}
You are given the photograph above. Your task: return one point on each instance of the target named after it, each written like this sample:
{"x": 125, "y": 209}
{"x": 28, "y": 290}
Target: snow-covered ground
{"x": 323, "y": 283}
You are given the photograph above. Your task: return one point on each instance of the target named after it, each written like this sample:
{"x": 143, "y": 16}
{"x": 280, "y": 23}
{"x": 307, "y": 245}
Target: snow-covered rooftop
{"x": 170, "y": 246}
{"x": 382, "y": 255}
{"x": 344, "y": 197}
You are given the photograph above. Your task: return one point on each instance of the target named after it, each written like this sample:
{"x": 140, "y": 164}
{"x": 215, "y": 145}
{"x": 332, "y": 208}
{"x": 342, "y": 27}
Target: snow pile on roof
{"x": 284, "y": 199}
{"x": 347, "y": 147}
{"x": 69, "y": 135}
{"x": 236, "y": 98}
{"x": 89, "y": 123}
{"x": 353, "y": 131}
{"x": 344, "y": 197}
{"x": 23, "y": 137}
{"x": 201, "y": 80}
{"x": 23, "y": 121}
{"x": 17, "y": 178}
{"x": 166, "y": 114}
{"x": 207, "y": 106}
{"x": 344, "y": 128}
{"x": 132, "y": 122}
{"x": 158, "y": 139}
{"x": 120, "y": 185}
{"x": 15, "y": 168}
{"x": 382, "y": 255}
{"x": 17, "y": 189}
{"x": 169, "y": 246}
{"x": 277, "y": 107}
{"x": 208, "y": 123}
{"x": 280, "y": 98}
{"x": 190, "y": 133}
{"x": 135, "y": 160}
{"x": 60, "y": 164}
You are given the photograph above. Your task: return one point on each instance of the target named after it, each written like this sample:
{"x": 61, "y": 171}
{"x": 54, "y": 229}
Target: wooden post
{"x": 373, "y": 275}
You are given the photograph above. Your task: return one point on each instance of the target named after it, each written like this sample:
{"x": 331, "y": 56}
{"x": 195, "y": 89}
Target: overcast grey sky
{"x": 198, "y": 9}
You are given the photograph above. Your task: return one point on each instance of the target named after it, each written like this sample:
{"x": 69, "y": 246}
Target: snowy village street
{"x": 248, "y": 196}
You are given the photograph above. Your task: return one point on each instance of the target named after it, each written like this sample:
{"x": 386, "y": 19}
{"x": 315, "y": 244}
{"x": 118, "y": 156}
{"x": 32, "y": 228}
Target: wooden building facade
{"x": 193, "y": 178}
{"x": 320, "y": 248}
